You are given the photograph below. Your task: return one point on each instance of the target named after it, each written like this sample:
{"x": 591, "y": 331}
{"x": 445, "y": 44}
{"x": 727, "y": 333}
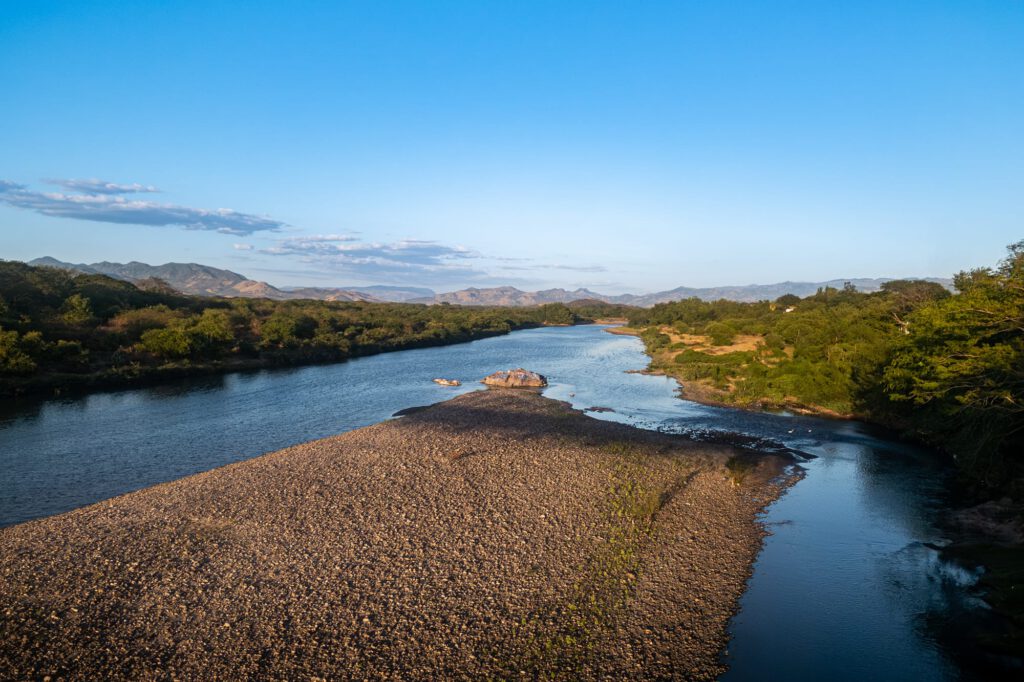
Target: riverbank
{"x": 700, "y": 391}
{"x": 54, "y": 384}
{"x": 120, "y": 336}
{"x": 984, "y": 530}
{"x": 491, "y": 534}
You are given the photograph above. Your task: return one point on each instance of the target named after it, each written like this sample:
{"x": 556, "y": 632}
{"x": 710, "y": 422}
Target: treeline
{"x": 948, "y": 367}
{"x": 59, "y": 329}
{"x": 593, "y": 309}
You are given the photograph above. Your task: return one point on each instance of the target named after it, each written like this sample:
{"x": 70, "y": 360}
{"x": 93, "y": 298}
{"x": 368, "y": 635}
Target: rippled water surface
{"x": 841, "y": 590}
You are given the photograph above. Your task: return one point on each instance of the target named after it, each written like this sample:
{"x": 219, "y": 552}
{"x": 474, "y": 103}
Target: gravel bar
{"x": 497, "y": 535}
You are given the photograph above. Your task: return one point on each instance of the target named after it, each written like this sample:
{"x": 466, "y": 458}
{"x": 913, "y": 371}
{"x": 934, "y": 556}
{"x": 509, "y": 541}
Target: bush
{"x": 132, "y": 323}
{"x": 167, "y": 343}
{"x": 720, "y": 333}
{"x": 14, "y": 360}
{"x": 76, "y": 310}
{"x": 655, "y": 340}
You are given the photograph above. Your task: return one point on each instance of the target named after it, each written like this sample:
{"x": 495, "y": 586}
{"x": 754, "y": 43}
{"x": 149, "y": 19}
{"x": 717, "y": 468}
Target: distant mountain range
{"x": 203, "y": 280}
{"x": 379, "y": 292}
{"x": 510, "y": 296}
{"x": 752, "y": 292}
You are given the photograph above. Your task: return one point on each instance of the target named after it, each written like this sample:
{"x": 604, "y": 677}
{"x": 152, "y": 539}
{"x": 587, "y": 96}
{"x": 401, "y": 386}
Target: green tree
{"x": 167, "y": 343}
{"x": 279, "y": 330}
{"x": 14, "y": 360}
{"x": 213, "y": 332}
{"x": 963, "y": 362}
{"x": 76, "y": 310}
{"x": 557, "y": 313}
{"x": 721, "y": 333}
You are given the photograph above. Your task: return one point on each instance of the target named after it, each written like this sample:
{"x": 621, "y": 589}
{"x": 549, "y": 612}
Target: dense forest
{"x": 946, "y": 366}
{"x": 59, "y": 330}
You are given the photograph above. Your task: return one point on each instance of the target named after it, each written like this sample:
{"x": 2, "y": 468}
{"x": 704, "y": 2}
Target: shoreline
{"x": 699, "y": 396}
{"x": 989, "y": 643}
{"x": 769, "y": 408}
{"x": 75, "y": 385}
{"x": 66, "y": 385}
{"x": 495, "y": 532}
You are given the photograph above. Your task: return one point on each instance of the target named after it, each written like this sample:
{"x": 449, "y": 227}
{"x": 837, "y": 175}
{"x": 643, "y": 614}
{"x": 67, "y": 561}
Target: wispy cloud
{"x": 324, "y": 239}
{"x": 94, "y": 186}
{"x": 408, "y": 260}
{"x": 571, "y": 268}
{"x": 428, "y": 253}
{"x": 242, "y": 247}
{"x": 574, "y": 268}
{"x": 112, "y": 207}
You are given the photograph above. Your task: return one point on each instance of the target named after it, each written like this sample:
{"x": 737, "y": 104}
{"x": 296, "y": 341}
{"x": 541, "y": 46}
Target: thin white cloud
{"x": 571, "y": 268}
{"x": 114, "y": 208}
{"x": 330, "y": 238}
{"x": 94, "y": 186}
{"x": 574, "y": 268}
{"x": 242, "y": 247}
{"x": 409, "y": 260}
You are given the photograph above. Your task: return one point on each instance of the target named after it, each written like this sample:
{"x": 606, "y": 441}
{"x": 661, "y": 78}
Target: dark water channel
{"x": 844, "y": 588}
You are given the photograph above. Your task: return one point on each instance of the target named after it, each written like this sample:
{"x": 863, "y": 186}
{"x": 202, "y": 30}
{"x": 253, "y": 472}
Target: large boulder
{"x": 516, "y": 378}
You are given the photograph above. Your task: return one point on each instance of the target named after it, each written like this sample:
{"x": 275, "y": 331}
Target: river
{"x": 845, "y": 588}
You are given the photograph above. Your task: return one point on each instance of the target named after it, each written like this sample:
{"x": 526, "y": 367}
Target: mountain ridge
{"x": 205, "y": 280}
{"x": 512, "y": 296}
{"x": 201, "y": 280}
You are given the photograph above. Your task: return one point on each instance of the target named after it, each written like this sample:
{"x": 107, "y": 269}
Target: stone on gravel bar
{"x": 516, "y": 378}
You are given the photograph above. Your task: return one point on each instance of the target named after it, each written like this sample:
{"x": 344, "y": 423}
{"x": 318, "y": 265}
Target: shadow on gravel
{"x": 518, "y": 415}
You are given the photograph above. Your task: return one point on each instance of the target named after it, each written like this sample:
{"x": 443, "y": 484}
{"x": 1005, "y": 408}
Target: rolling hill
{"x": 746, "y": 293}
{"x": 203, "y": 280}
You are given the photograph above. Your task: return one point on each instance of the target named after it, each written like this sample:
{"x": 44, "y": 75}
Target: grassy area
{"x": 746, "y": 370}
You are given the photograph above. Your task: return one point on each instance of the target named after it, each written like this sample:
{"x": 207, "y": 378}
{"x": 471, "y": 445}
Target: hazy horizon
{"x": 616, "y": 148}
{"x": 609, "y": 292}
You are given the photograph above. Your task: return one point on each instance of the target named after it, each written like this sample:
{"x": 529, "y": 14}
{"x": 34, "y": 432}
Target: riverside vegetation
{"x": 947, "y": 367}
{"x": 59, "y": 330}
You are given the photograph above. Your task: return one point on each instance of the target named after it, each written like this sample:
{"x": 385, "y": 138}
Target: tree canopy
{"x": 59, "y": 329}
{"x": 948, "y": 367}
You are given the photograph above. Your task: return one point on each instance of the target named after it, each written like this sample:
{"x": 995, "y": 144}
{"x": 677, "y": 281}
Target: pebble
{"x": 365, "y": 555}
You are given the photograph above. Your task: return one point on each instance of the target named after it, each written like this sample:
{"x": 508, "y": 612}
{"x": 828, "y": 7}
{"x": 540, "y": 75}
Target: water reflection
{"x": 850, "y": 576}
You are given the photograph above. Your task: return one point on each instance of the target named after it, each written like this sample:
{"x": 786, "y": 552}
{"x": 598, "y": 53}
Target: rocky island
{"x": 516, "y": 378}
{"x": 499, "y": 534}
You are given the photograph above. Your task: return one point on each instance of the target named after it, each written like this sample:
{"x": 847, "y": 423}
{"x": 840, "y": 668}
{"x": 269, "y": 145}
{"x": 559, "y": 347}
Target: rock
{"x": 516, "y": 378}
{"x": 448, "y": 382}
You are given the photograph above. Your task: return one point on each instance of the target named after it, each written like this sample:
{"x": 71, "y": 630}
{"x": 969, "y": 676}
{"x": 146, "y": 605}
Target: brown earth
{"x": 701, "y": 343}
{"x": 496, "y": 535}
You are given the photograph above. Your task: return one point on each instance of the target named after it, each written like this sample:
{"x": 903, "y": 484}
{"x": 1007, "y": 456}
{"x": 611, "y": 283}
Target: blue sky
{"x": 622, "y": 146}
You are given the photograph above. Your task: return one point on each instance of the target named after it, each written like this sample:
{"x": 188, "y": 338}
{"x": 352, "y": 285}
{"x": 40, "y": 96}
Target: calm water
{"x": 841, "y": 591}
